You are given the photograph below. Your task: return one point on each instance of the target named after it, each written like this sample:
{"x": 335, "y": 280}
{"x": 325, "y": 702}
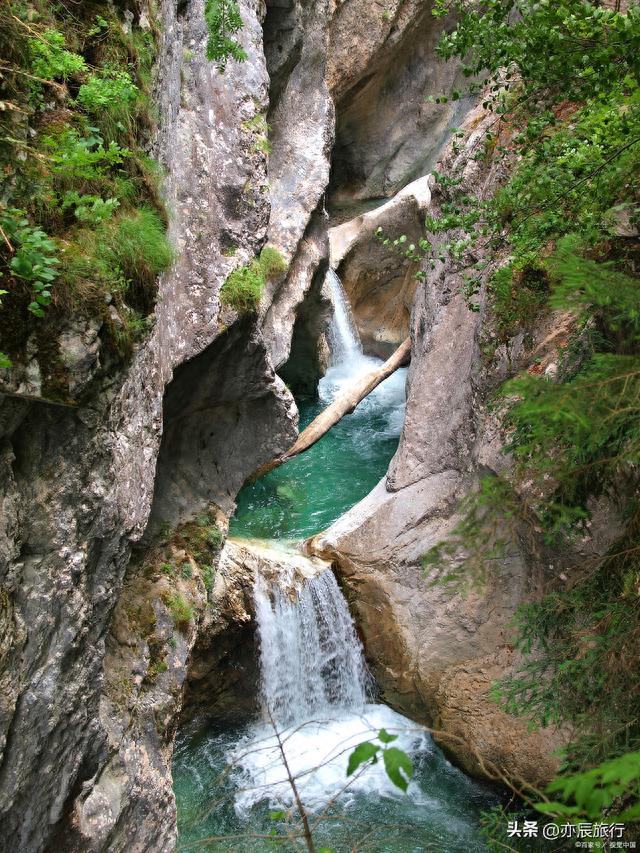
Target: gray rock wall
{"x": 77, "y": 483}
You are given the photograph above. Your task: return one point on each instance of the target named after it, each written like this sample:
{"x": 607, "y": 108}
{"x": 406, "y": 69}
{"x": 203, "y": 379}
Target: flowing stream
{"x": 316, "y": 695}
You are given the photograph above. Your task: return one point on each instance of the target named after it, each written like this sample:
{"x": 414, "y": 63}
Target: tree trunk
{"x": 343, "y": 405}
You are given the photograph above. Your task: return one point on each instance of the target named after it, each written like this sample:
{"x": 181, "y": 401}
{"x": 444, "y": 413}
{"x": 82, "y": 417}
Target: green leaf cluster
{"x": 593, "y": 792}
{"x": 223, "y": 22}
{"x": 51, "y": 60}
{"x": 397, "y": 763}
{"x": 34, "y": 257}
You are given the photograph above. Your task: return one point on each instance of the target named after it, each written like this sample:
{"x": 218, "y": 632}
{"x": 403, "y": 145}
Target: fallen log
{"x": 344, "y": 404}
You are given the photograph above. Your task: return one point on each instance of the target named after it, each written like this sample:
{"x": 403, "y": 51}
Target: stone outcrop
{"x": 378, "y": 279}
{"x": 382, "y": 70}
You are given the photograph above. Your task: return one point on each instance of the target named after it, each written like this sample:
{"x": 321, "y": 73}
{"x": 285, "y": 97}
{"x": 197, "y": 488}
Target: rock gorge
{"x": 97, "y": 670}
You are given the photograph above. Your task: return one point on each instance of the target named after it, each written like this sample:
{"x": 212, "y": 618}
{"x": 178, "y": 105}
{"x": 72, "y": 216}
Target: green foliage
{"x": 208, "y": 575}
{"x": 81, "y": 158}
{"x": 593, "y": 792}
{"x": 570, "y": 49}
{"x": 223, "y": 22}
{"x": 398, "y": 766}
{"x": 397, "y": 763}
{"x": 580, "y": 648}
{"x": 201, "y": 539}
{"x": 81, "y": 190}
{"x": 108, "y": 97}
{"x": 243, "y": 287}
{"x": 137, "y": 246}
{"x": 584, "y": 432}
{"x": 90, "y": 208}
{"x": 155, "y": 668}
{"x": 552, "y": 191}
{"x": 106, "y": 87}
{"x": 181, "y": 611}
{"x": 121, "y": 256}
{"x": 50, "y": 58}
{"x": 34, "y": 257}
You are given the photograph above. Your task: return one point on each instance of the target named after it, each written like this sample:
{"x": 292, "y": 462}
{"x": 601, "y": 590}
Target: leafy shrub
{"x": 223, "y": 22}
{"x": 34, "y": 259}
{"x": 563, "y": 80}
{"x": 108, "y": 93}
{"x": 78, "y": 159}
{"x": 593, "y": 792}
{"x": 51, "y": 60}
{"x": 90, "y": 208}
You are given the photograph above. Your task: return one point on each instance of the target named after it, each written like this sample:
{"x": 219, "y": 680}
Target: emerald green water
{"x": 307, "y": 494}
{"x": 226, "y": 786}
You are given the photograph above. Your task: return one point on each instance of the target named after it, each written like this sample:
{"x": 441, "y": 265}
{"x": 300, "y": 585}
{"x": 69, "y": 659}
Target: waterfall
{"x": 348, "y": 361}
{"x": 311, "y": 660}
{"x": 344, "y": 341}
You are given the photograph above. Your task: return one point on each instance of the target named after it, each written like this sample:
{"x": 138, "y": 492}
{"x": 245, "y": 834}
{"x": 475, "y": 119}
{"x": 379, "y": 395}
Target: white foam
{"x": 317, "y": 753}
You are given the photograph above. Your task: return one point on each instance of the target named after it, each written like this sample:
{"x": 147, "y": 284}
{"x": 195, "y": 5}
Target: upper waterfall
{"x": 311, "y": 660}
{"x": 344, "y": 340}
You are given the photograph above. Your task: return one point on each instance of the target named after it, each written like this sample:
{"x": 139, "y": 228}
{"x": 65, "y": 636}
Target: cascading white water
{"x": 344, "y": 340}
{"x": 348, "y": 361}
{"x": 315, "y": 691}
{"x": 314, "y": 685}
{"x": 311, "y": 660}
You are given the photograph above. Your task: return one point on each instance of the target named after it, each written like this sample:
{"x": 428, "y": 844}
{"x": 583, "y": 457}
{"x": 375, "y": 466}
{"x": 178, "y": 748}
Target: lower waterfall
{"x": 232, "y": 784}
{"x": 311, "y": 661}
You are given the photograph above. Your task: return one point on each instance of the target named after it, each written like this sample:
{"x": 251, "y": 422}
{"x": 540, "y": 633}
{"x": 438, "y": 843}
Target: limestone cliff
{"x": 78, "y": 481}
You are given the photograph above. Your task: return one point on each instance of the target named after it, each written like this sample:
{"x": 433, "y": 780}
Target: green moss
{"x": 142, "y": 618}
{"x": 243, "y": 287}
{"x": 272, "y": 263}
{"x": 181, "y": 611}
{"x": 157, "y": 660}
